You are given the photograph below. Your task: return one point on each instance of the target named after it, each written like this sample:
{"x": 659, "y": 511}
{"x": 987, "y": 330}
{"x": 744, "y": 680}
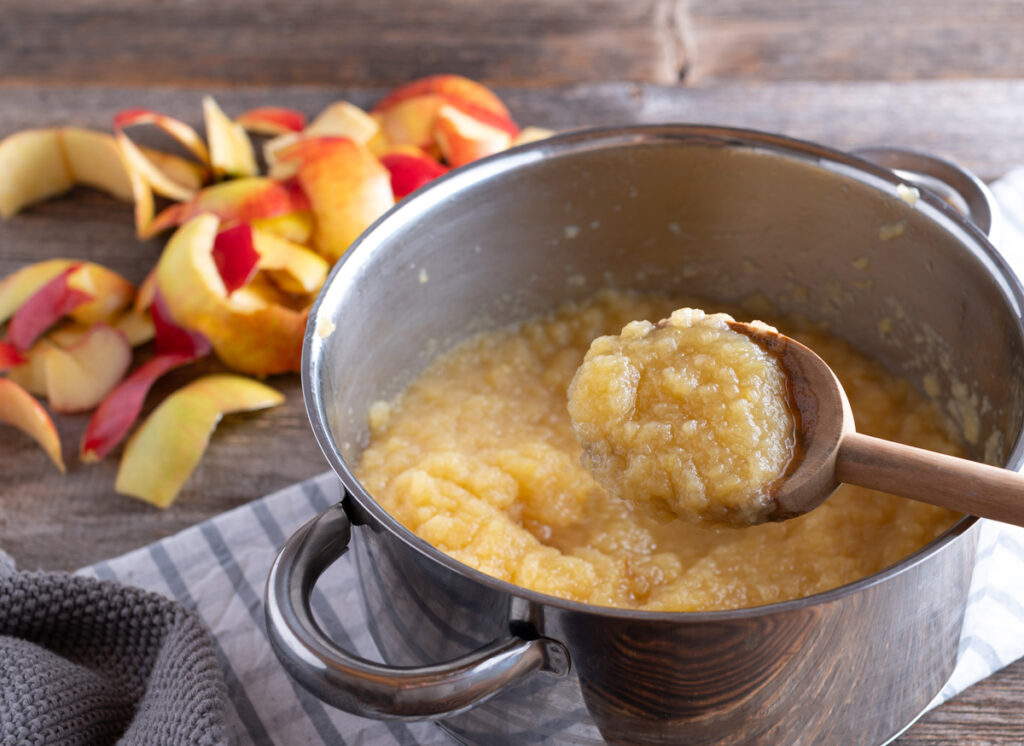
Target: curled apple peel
{"x": 117, "y": 412}
{"x": 79, "y": 377}
{"x": 250, "y": 331}
{"x": 272, "y": 120}
{"x": 50, "y": 303}
{"x": 20, "y": 409}
{"x": 167, "y": 447}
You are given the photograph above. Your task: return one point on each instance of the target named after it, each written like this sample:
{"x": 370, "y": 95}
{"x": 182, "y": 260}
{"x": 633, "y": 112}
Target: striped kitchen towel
{"x": 218, "y": 568}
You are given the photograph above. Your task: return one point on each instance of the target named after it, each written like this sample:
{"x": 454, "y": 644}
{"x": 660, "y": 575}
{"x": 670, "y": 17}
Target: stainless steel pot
{"x": 723, "y": 213}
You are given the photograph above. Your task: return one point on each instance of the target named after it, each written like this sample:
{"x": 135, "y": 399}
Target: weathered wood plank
{"x": 987, "y": 714}
{"x": 235, "y": 42}
{"x": 748, "y": 40}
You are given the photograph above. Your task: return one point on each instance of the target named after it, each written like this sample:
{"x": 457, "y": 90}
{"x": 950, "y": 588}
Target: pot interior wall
{"x": 720, "y": 218}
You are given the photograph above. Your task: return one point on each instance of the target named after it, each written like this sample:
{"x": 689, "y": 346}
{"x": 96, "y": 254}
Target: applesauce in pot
{"x": 478, "y": 458}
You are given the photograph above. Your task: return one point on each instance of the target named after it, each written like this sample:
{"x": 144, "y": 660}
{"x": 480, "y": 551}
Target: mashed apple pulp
{"x": 478, "y": 458}
{"x": 687, "y": 418}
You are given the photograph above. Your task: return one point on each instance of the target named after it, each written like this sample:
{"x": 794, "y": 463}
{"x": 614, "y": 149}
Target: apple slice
{"x": 272, "y": 120}
{"x": 118, "y": 411}
{"x": 410, "y": 172}
{"x": 464, "y": 139}
{"x": 172, "y": 339}
{"x": 231, "y": 152}
{"x": 33, "y": 168}
{"x": 250, "y": 331}
{"x": 347, "y": 187}
{"x": 94, "y": 160}
{"x": 10, "y": 357}
{"x": 163, "y": 453}
{"x": 78, "y": 378}
{"x": 235, "y": 256}
{"x": 44, "y": 308}
{"x": 23, "y": 283}
{"x": 20, "y": 409}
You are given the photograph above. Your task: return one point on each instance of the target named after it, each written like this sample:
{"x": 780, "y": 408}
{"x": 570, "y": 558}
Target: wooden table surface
{"x": 945, "y": 76}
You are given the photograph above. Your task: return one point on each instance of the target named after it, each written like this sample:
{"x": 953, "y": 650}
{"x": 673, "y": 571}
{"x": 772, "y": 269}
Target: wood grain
{"x": 236, "y": 42}
{"x": 751, "y": 40}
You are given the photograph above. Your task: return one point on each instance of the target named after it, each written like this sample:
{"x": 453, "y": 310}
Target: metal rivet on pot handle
{"x": 964, "y": 191}
{"x": 370, "y": 689}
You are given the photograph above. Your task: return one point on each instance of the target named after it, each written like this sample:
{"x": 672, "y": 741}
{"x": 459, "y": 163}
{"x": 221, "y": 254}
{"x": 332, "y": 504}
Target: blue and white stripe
{"x": 218, "y": 569}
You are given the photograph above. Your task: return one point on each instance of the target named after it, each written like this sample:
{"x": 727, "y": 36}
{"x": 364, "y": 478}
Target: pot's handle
{"x": 370, "y": 689}
{"x": 954, "y": 184}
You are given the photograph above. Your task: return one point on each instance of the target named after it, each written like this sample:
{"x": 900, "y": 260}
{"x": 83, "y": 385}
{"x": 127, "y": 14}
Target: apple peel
{"x": 291, "y": 266}
{"x": 231, "y": 152}
{"x": 120, "y": 409}
{"x": 177, "y": 129}
{"x": 44, "y": 308}
{"x": 167, "y": 447}
{"x": 79, "y": 377}
{"x": 272, "y": 120}
{"x": 244, "y": 199}
{"x": 464, "y": 139}
{"x": 454, "y": 87}
{"x": 10, "y": 357}
{"x": 235, "y": 256}
{"x": 33, "y": 167}
{"x": 347, "y": 187}
{"x": 20, "y": 409}
{"x": 23, "y": 283}
{"x": 409, "y": 172}
{"x": 110, "y": 293}
{"x": 173, "y": 339}
{"x": 31, "y": 375}
{"x": 250, "y": 331}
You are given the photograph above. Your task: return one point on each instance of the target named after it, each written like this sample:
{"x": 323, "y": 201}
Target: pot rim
{"x": 836, "y": 161}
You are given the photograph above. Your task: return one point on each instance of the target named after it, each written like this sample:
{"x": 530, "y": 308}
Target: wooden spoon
{"x": 831, "y": 451}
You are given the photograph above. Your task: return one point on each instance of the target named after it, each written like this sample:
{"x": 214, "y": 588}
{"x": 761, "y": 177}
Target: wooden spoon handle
{"x": 955, "y": 483}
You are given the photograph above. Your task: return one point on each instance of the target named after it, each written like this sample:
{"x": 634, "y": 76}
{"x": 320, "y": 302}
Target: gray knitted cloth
{"x": 93, "y": 662}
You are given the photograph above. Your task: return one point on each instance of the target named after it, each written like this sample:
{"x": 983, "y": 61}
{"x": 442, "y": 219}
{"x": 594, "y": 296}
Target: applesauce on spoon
{"x": 478, "y": 457}
{"x": 688, "y": 418}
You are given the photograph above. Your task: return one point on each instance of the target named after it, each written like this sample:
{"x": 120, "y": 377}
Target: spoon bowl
{"x": 829, "y": 450}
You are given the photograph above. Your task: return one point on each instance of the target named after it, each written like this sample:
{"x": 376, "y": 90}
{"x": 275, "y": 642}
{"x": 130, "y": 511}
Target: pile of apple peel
{"x": 250, "y": 249}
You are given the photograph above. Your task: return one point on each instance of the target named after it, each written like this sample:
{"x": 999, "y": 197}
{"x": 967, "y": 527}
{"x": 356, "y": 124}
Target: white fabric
{"x": 219, "y": 568}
